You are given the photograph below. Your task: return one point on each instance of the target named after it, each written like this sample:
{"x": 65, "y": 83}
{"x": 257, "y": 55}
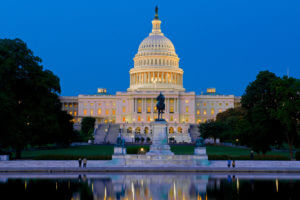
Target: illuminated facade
{"x": 156, "y": 69}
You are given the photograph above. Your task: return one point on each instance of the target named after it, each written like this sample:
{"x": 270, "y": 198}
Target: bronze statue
{"x": 156, "y": 12}
{"x": 200, "y": 142}
{"x": 160, "y": 105}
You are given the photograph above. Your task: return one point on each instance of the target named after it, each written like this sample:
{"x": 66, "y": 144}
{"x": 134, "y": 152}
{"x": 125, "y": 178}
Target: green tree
{"x": 287, "y": 112}
{"x": 231, "y": 121}
{"x": 87, "y": 127}
{"x": 261, "y": 129}
{"x": 210, "y": 129}
{"x": 29, "y": 103}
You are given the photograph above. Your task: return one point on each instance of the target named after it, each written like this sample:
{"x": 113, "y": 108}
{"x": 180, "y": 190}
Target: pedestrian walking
{"x": 233, "y": 163}
{"x": 84, "y": 162}
{"x": 252, "y": 154}
{"x": 79, "y": 162}
{"x": 228, "y": 163}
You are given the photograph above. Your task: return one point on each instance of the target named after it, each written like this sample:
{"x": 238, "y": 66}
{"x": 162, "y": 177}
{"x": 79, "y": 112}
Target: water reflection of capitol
{"x": 147, "y": 187}
{"x": 156, "y": 69}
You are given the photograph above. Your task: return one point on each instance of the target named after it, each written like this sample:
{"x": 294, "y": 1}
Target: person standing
{"x": 84, "y": 162}
{"x": 251, "y": 155}
{"x": 233, "y": 163}
{"x": 228, "y": 163}
{"x": 79, "y": 162}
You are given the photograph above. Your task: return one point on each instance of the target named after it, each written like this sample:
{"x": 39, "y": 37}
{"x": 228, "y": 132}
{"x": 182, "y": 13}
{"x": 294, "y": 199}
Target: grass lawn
{"x": 107, "y": 150}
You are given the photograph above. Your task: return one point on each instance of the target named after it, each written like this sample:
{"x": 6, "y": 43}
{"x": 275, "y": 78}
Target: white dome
{"x": 156, "y": 64}
{"x": 157, "y": 44}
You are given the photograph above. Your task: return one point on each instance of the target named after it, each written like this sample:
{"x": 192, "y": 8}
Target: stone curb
{"x": 154, "y": 169}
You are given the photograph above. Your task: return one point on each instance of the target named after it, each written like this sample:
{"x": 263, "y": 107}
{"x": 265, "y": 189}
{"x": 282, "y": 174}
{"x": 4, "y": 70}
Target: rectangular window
{"x": 155, "y": 109}
{"x": 92, "y": 112}
{"x": 148, "y": 109}
{"x": 139, "y": 118}
{"x": 148, "y": 118}
{"x": 186, "y": 119}
{"x": 124, "y": 109}
{"x": 70, "y": 105}
{"x": 75, "y": 113}
{"x": 204, "y": 112}
{"x": 84, "y": 112}
{"x": 212, "y": 111}
{"x": 171, "y": 109}
{"x": 99, "y": 111}
{"x": 139, "y": 109}
{"x": 107, "y": 112}
{"x": 187, "y": 109}
{"x": 171, "y": 118}
{"x": 113, "y": 111}
{"x": 124, "y": 119}
{"x": 220, "y": 110}
{"x": 198, "y": 112}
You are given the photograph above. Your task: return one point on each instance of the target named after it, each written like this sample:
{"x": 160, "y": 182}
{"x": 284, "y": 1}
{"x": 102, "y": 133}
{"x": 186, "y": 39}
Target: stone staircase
{"x": 100, "y": 133}
{"x": 194, "y": 132}
{"x": 113, "y": 133}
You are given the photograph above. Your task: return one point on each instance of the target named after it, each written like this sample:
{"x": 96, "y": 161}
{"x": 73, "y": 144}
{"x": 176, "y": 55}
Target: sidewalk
{"x": 107, "y": 166}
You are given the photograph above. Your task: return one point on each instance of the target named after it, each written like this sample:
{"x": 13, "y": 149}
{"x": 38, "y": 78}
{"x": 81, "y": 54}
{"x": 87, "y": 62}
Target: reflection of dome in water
{"x": 156, "y": 64}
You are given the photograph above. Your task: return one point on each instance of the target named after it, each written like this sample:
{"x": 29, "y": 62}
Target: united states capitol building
{"x": 156, "y": 69}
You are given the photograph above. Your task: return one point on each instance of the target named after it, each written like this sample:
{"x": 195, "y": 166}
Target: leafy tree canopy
{"x": 29, "y": 103}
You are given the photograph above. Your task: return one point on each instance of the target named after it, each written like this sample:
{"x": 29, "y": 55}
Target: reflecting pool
{"x": 175, "y": 186}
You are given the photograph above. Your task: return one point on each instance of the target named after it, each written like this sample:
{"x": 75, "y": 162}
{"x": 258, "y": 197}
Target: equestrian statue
{"x": 160, "y": 105}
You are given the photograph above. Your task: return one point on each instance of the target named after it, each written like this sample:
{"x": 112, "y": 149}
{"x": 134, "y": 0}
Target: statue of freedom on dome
{"x": 160, "y": 106}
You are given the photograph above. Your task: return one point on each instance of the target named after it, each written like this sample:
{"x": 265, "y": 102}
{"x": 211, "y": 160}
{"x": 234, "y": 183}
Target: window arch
{"x": 146, "y": 130}
{"x": 138, "y": 130}
{"x": 129, "y": 130}
{"x": 179, "y": 129}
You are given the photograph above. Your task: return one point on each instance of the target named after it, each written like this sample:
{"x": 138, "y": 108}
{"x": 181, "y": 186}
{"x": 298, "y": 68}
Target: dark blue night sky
{"x": 221, "y": 43}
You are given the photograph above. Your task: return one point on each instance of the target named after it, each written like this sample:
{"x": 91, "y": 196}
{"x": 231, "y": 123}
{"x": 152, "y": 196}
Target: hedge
{"x": 247, "y": 157}
{"x": 72, "y": 157}
{"x": 135, "y": 149}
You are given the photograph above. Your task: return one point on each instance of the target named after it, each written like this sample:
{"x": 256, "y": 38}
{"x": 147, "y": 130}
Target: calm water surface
{"x": 149, "y": 186}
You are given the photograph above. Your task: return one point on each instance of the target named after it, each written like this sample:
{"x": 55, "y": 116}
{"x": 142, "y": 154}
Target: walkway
{"x": 106, "y": 166}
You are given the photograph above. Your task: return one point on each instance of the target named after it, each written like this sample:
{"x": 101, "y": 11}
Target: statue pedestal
{"x": 200, "y": 151}
{"x": 119, "y": 150}
{"x": 159, "y": 139}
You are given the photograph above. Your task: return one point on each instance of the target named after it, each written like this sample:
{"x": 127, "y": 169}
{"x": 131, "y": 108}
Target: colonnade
{"x": 156, "y": 77}
{"x": 160, "y": 62}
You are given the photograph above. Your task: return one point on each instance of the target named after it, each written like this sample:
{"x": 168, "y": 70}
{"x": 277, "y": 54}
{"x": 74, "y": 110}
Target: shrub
{"x": 297, "y": 155}
{"x": 135, "y": 149}
{"x": 247, "y": 157}
{"x": 72, "y": 157}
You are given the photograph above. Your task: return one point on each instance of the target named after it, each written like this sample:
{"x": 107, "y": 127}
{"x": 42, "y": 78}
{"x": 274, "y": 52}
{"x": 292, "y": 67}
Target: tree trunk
{"x": 18, "y": 153}
{"x": 291, "y": 151}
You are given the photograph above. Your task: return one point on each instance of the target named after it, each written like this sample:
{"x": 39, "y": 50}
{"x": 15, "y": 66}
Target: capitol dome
{"x": 156, "y": 43}
{"x": 156, "y": 64}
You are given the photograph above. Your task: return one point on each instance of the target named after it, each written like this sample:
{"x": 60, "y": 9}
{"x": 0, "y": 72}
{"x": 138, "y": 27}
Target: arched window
{"x": 138, "y": 130}
{"x": 171, "y": 130}
{"x": 146, "y": 130}
{"x": 129, "y": 130}
{"x": 179, "y": 130}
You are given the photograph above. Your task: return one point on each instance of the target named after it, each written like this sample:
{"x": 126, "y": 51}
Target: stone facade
{"x": 156, "y": 69}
